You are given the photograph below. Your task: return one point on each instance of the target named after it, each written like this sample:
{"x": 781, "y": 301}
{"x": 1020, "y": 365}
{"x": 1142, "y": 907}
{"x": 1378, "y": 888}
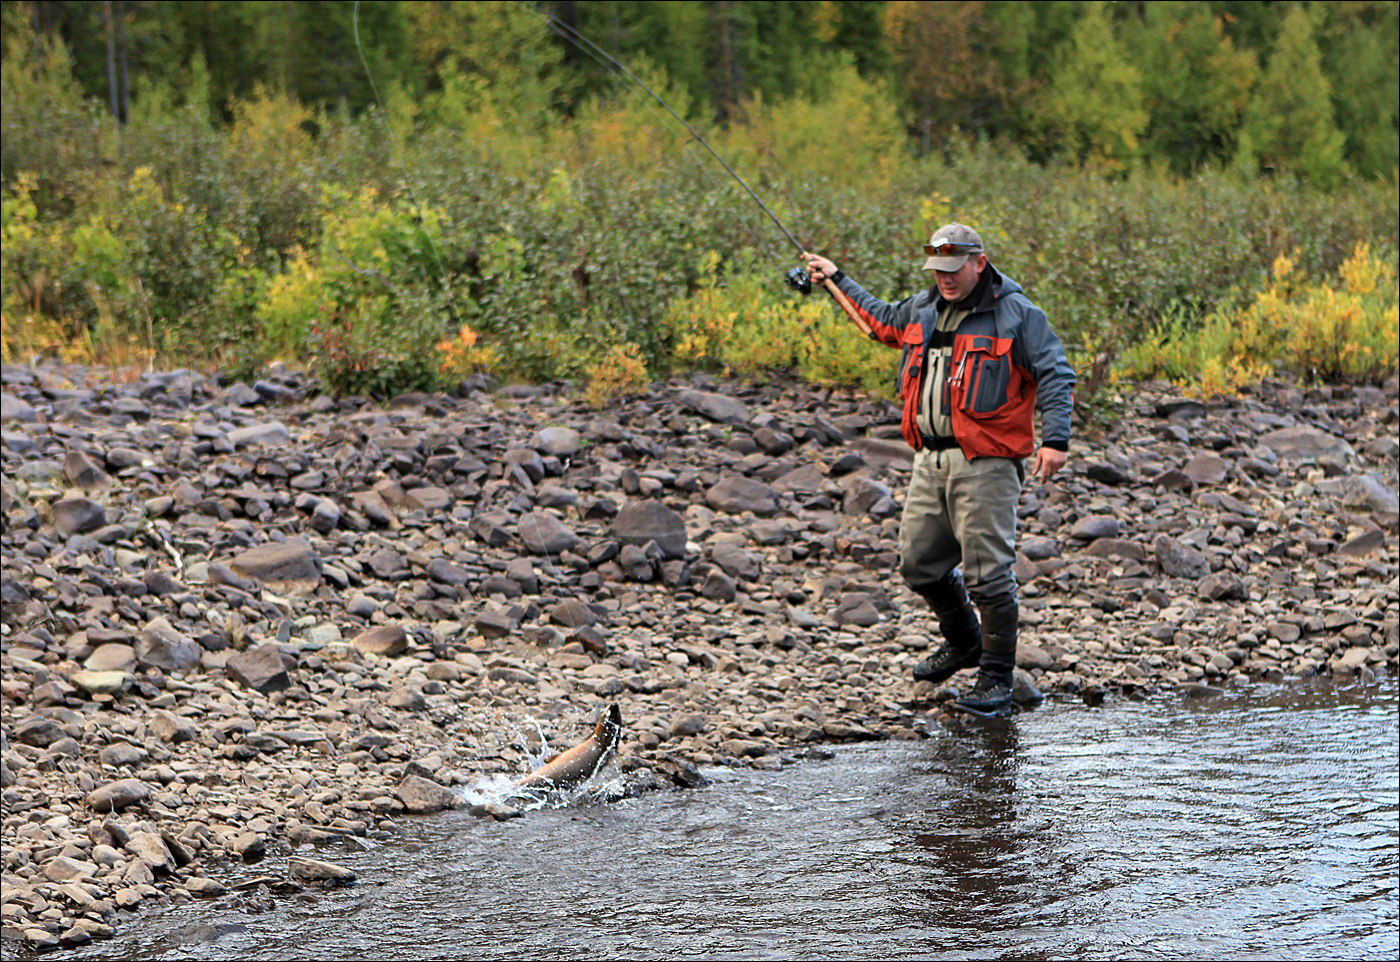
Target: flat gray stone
{"x": 270, "y": 432}
{"x": 739, "y": 563}
{"x": 83, "y": 470}
{"x": 152, "y": 848}
{"x": 17, "y": 409}
{"x": 1371, "y": 493}
{"x": 862, "y": 494}
{"x": 1300, "y": 444}
{"x": 429, "y": 499}
{"x": 114, "y": 657}
{"x": 1094, "y": 527}
{"x": 315, "y": 870}
{"x": 1223, "y": 586}
{"x": 883, "y": 450}
{"x": 172, "y": 728}
{"x": 716, "y": 407}
{"x": 102, "y": 682}
{"x": 1040, "y": 549}
{"x": 161, "y": 646}
{"x": 445, "y": 572}
{"x": 559, "y": 442}
{"x": 291, "y": 563}
{"x": 1206, "y": 469}
{"x": 39, "y": 731}
{"x": 61, "y": 868}
{"x": 1117, "y": 547}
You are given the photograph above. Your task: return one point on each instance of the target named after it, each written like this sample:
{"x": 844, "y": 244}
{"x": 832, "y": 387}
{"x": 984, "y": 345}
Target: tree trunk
{"x": 724, "y": 82}
{"x": 567, "y": 12}
{"x": 121, "y": 56}
{"x": 111, "y": 60}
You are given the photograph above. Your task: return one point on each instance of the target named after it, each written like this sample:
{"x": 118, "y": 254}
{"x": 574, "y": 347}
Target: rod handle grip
{"x": 845, "y": 304}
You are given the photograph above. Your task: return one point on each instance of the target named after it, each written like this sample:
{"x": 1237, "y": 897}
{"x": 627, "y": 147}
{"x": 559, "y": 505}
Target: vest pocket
{"x": 982, "y": 375}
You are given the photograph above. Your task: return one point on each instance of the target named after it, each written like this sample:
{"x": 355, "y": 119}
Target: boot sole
{"x": 1001, "y": 711}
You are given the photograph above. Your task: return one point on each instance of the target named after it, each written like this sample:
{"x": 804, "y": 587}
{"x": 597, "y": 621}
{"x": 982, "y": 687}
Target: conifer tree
{"x": 1360, "y": 44}
{"x": 1289, "y": 123}
{"x": 1093, "y": 108}
{"x": 1196, "y": 84}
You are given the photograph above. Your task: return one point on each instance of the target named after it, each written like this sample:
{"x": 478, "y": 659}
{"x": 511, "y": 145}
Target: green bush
{"x": 302, "y": 234}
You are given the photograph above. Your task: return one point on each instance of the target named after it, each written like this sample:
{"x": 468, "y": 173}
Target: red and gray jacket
{"x": 1005, "y": 360}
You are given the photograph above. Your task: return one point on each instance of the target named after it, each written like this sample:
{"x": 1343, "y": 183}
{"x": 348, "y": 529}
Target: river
{"x": 1256, "y": 824}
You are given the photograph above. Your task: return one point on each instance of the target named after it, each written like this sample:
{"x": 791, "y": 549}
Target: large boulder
{"x": 260, "y": 669}
{"x": 716, "y": 407}
{"x": 161, "y": 646}
{"x": 78, "y": 515}
{"x": 1178, "y": 560}
{"x": 422, "y": 795}
{"x": 545, "y": 534}
{"x": 384, "y": 640}
{"x": 292, "y": 565}
{"x": 649, "y": 520}
{"x": 117, "y": 795}
{"x": 738, "y": 494}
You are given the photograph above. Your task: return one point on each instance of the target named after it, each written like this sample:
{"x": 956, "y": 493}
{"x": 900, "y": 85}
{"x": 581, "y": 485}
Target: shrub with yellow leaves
{"x": 462, "y": 357}
{"x": 1312, "y": 329}
{"x": 620, "y": 372}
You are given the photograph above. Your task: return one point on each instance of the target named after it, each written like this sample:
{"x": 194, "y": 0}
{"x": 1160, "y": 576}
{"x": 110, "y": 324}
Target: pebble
{"x": 718, "y": 558}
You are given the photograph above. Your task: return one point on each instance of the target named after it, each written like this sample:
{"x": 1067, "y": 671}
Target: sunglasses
{"x": 951, "y": 250}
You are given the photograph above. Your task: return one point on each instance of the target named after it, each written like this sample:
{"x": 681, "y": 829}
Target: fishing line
{"x": 396, "y": 149}
{"x": 558, "y": 27}
{"x": 579, "y": 40}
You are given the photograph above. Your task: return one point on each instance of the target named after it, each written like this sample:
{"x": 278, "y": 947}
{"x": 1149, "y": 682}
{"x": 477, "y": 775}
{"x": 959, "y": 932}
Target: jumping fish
{"x": 579, "y": 763}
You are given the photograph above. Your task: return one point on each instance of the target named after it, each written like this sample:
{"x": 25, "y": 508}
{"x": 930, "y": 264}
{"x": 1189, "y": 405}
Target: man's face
{"x": 955, "y": 285}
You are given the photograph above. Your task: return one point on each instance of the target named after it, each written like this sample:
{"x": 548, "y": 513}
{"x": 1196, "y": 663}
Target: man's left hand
{"x": 1047, "y": 462}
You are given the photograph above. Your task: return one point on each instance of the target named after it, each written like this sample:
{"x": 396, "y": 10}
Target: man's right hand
{"x": 819, "y": 268}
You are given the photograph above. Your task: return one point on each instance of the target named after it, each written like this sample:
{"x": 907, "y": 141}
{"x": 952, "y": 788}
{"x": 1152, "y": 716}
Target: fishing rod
{"x": 797, "y": 278}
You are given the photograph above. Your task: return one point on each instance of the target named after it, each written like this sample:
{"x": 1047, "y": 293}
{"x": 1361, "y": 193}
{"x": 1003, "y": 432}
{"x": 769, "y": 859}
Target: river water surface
{"x": 1250, "y": 825}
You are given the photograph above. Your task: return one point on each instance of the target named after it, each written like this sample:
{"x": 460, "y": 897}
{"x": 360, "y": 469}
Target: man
{"x": 978, "y": 359}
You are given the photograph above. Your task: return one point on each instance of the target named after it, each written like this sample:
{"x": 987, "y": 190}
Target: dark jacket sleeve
{"x": 1038, "y": 349}
{"x": 886, "y": 321}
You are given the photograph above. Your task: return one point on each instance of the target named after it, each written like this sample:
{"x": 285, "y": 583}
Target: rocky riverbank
{"x": 243, "y": 619}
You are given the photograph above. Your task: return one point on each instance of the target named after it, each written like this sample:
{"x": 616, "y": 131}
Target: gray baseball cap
{"x": 950, "y": 247}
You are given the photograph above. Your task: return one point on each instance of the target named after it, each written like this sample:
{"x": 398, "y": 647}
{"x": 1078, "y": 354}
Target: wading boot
{"x": 991, "y": 696}
{"x": 962, "y": 635}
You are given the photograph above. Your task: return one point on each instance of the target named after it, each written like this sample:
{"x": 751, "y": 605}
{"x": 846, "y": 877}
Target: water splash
{"x": 606, "y": 783}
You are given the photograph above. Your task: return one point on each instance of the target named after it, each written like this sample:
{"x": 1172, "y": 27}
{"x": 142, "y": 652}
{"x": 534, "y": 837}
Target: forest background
{"x": 1201, "y": 191}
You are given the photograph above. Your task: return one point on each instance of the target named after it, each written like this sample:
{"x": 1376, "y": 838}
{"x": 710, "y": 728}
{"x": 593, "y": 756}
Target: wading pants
{"x": 960, "y": 512}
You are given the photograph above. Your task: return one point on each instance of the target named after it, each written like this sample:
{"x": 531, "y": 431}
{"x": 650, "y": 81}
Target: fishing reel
{"x": 799, "y": 281}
